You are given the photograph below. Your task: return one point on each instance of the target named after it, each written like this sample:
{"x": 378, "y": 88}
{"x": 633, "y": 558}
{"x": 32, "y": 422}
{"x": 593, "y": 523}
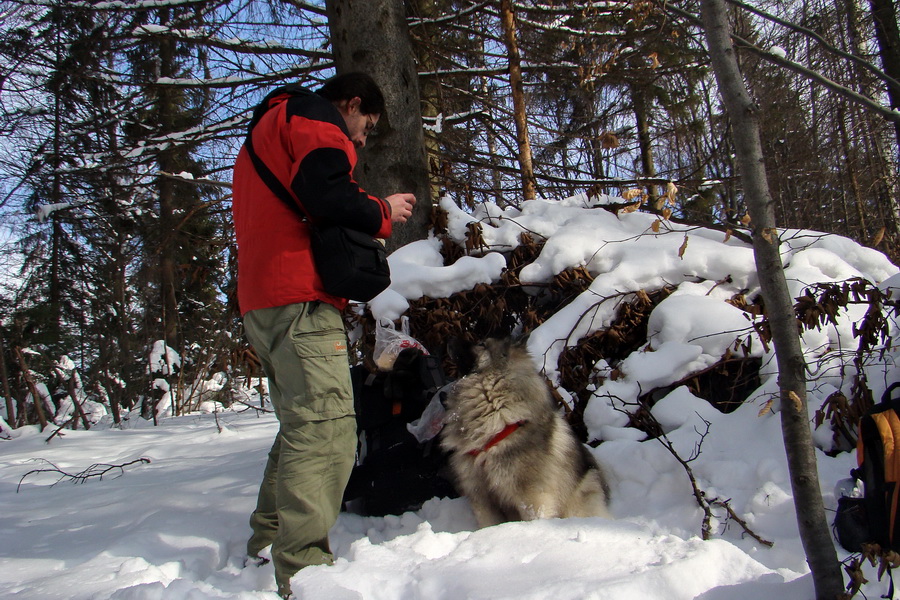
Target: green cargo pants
{"x": 303, "y": 350}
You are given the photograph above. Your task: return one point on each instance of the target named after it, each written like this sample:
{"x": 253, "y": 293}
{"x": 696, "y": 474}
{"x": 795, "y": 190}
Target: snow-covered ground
{"x": 175, "y": 527}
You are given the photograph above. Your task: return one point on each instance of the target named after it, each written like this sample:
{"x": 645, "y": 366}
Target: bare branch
{"x": 808, "y": 32}
{"x": 843, "y": 91}
{"x": 97, "y": 470}
{"x": 705, "y": 504}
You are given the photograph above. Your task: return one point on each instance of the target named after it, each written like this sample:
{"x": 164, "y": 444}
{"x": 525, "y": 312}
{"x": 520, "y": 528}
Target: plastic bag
{"x": 431, "y": 422}
{"x": 389, "y": 343}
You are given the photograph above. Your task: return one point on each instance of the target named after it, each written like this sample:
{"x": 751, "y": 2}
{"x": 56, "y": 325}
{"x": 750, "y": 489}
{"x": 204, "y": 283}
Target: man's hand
{"x": 401, "y": 206}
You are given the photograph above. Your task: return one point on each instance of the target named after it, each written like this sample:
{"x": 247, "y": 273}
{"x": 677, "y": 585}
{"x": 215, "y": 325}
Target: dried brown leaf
{"x": 632, "y": 193}
{"x": 671, "y": 190}
{"x": 608, "y": 140}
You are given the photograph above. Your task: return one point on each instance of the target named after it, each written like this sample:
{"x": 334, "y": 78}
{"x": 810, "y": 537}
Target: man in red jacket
{"x": 308, "y": 141}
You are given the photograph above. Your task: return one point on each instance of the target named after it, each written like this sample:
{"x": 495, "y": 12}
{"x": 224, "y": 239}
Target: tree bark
{"x": 795, "y": 422}
{"x": 429, "y": 88}
{"x": 887, "y": 32}
{"x": 168, "y": 278}
{"x": 76, "y": 405}
{"x": 7, "y": 393}
{"x": 880, "y": 165}
{"x": 372, "y": 36}
{"x": 32, "y": 387}
{"x": 520, "y": 116}
{"x": 641, "y": 116}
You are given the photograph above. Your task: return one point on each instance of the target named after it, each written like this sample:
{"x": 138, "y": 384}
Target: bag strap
{"x": 272, "y": 182}
{"x": 887, "y": 397}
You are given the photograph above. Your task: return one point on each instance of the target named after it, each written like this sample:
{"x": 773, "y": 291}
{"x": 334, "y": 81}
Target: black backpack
{"x": 395, "y": 472}
{"x": 872, "y": 517}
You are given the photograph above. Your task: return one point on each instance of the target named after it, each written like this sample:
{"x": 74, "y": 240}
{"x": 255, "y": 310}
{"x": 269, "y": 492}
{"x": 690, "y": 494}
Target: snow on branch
{"x": 43, "y": 211}
{"x": 233, "y": 44}
{"x": 188, "y": 177}
{"x": 448, "y": 17}
{"x": 120, "y": 4}
{"x": 234, "y": 80}
{"x": 163, "y": 359}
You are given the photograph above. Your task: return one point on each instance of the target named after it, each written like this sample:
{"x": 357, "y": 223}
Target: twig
{"x": 703, "y": 502}
{"x": 843, "y": 91}
{"x": 59, "y": 429}
{"x": 219, "y": 427}
{"x": 257, "y": 408}
{"x": 727, "y": 506}
{"x": 699, "y": 495}
{"x": 96, "y": 470}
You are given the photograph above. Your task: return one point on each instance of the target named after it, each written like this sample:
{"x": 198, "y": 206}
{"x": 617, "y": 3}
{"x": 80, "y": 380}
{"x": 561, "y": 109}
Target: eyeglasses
{"x": 370, "y": 125}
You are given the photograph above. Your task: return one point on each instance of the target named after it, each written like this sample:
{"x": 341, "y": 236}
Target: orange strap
{"x": 888, "y": 424}
{"x": 505, "y": 433}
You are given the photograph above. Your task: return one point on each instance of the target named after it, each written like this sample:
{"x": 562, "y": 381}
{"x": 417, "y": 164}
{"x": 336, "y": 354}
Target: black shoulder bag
{"x": 351, "y": 264}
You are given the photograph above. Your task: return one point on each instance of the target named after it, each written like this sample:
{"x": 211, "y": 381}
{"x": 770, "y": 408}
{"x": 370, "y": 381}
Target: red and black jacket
{"x": 303, "y": 140}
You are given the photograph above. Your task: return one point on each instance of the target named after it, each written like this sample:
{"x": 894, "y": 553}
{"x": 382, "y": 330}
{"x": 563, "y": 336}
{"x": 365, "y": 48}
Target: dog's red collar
{"x": 505, "y": 433}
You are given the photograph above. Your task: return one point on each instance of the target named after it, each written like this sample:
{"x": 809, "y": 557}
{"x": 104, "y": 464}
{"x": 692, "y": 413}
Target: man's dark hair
{"x": 355, "y": 85}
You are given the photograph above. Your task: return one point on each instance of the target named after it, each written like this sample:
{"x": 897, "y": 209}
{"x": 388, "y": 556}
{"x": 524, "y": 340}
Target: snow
{"x": 438, "y": 126}
{"x": 175, "y": 527}
{"x": 43, "y": 211}
{"x": 163, "y": 358}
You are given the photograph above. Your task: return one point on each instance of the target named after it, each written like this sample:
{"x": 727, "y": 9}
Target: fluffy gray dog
{"x": 513, "y": 455}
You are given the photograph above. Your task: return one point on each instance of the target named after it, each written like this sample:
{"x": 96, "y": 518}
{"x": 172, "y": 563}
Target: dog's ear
{"x": 457, "y": 348}
{"x": 521, "y": 340}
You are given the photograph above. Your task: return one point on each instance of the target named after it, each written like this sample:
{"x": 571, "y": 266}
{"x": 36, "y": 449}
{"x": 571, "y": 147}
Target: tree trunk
{"x": 7, "y": 393}
{"x": 32, "y": 387}
{"x": 122, "y": 347}
{"x": 429, "y": 88}
{"x": 76, "y": 405}
{"x": 520, "y": 116}
{"x": 55, "y": 292}
{"x": 641, "y": 116}
{"x": 496, "y": 178}
{"x": 795, "y": 423}
{"x": 372, "y": 36}
{"x": 167, "y": 202}
{"x": 850, "y": 170}
{"x": 881, "y": 165}
{"x": 887, "y": 33}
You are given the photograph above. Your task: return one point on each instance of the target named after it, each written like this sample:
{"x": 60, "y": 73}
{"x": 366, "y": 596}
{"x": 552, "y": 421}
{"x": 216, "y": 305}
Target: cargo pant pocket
{"x": 320, "y": 344}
